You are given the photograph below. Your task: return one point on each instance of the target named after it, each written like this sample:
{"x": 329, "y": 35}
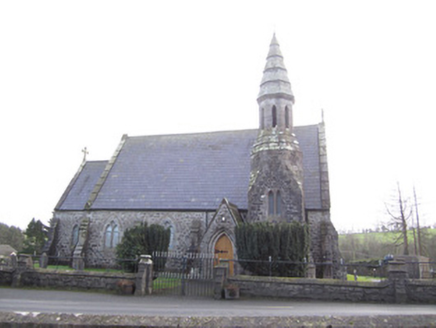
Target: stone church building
{"x": 202, "y": 185}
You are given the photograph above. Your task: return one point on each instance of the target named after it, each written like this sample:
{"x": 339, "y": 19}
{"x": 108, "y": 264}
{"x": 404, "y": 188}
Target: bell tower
{"x": 276, "y": 179}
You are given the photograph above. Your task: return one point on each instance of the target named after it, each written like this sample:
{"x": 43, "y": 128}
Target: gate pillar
{"x": 144, "y": 277}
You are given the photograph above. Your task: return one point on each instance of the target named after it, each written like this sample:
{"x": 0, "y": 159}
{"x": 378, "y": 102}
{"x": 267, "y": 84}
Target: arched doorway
{"x": 224, "y": 250}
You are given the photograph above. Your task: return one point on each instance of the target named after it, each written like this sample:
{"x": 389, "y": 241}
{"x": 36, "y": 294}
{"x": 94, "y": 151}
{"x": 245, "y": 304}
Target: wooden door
{"x": 224, "y": 250}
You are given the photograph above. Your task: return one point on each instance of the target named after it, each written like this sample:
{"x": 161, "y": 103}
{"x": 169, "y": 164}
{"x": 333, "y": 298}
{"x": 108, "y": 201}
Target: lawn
{"x": 165, "y": 284}
{"x": 350, "y": 277}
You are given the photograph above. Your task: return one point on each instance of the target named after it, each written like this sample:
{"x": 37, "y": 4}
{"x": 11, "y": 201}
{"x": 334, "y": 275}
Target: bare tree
{"x": 400, "y": 214}
{"x": 420, "y": 250}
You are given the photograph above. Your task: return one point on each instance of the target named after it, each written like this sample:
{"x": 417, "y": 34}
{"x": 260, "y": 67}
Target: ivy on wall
{"x": 273, "y": 249}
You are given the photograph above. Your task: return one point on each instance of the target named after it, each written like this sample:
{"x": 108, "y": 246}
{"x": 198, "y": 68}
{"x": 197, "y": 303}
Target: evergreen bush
{"x": 284, "y": 246}
{"x": 142, "y": 240}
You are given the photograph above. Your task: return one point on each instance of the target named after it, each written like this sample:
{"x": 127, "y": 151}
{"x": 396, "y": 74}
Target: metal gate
{"x": 189, "y": 274}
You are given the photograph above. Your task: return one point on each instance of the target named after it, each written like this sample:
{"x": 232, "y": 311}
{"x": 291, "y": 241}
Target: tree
{"x": 36, "y": 236}
{"x": 11, "y": 236}
{"x": 400, "y": 214}
{"x": 142, "y": 240}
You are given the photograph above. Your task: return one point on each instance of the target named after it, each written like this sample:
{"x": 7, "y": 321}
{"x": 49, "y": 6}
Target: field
{"x": 376, "y": 245}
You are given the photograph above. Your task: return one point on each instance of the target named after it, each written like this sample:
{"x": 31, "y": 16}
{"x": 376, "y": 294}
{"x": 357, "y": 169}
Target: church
{"x": 202, "y": 185}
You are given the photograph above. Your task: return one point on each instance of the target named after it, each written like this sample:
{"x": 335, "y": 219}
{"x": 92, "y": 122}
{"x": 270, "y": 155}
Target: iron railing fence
{"x": 278, "y": 268}
{"x": 201, "y": 266}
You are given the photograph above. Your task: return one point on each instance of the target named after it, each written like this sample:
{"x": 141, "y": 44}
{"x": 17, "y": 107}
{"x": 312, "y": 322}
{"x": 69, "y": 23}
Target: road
{"x": 43, "y": 301}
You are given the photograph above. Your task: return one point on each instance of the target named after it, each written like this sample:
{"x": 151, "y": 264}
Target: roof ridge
{"x": 192, "y": 133}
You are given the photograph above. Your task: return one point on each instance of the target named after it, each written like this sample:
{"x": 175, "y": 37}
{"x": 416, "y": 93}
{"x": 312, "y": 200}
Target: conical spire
{"x": 275, "y": 81}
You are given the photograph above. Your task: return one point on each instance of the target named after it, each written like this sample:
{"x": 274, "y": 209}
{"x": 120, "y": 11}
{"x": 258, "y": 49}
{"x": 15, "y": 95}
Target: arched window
{"x": 274, "y": 203}
{"x": 271, "y": 203}
{"x": 75, "y": 236}
{"x": 287, "y": 117}
{"x": 171, "y": 245}
{"x": 274, "y": 116}
{"x": 168, "y": 224}
{"x": 111, "y": 236}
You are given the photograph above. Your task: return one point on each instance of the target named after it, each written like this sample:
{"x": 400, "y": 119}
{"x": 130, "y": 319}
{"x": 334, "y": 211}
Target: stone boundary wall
{"x": 391, "y": 290}
{"x": 21, "y": 273}
{"x": 314, "y": 289}
{"x": 74, "y": 279}
{"x": 5, "y": 276}
{"x": 421, "y": 291}
{"x": 398, "y": 288}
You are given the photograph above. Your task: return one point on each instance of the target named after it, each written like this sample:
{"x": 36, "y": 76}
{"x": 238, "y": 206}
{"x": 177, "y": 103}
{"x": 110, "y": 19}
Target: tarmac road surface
{"x": 70, "y": 302}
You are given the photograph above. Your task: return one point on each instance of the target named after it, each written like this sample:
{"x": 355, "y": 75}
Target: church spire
{"x": 275, "y": 97}
{"x": 275, "y": 191}
{"x": 275, "y": 81}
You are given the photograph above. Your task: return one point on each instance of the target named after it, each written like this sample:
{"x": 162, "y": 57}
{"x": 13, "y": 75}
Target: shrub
{"x": 285, "y": 242}
{"x": 141, "y": 240}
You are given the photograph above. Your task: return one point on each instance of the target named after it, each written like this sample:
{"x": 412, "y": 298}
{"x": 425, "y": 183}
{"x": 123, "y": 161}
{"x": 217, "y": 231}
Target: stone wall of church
{"x": 276, "y": 171}
{"x": 187, "y": 230}
{"x": 64, "y": 234}
{"x": 324, "y": 244}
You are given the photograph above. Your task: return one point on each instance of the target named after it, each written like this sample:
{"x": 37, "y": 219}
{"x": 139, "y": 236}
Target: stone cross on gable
{"x": 85, "y": 152}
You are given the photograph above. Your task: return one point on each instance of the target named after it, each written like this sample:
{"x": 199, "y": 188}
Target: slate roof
{"x": 80, "y": 188}
{"x": 185, "y": 172}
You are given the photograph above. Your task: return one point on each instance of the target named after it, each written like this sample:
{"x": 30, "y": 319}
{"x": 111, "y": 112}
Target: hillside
{"x": 376, "y": 245}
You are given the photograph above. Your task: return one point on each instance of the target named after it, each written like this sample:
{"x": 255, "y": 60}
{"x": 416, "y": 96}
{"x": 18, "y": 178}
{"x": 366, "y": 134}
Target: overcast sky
{"x": 77, "y": 74}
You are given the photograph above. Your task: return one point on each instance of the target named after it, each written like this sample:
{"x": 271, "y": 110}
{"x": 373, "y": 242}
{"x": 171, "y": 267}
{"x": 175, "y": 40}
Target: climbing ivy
{"x": 273, "y": 249}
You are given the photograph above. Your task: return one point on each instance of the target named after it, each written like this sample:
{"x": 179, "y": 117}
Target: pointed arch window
{"x": 168, "y": 224}
{"x": 287, "y": 117}
{"x": 274, "y": 116}
{"x": 112, "y": 235}
{"x": 75, "y": 235}
{"x": 171, "y": 245}
{"x": 274, "y": 203}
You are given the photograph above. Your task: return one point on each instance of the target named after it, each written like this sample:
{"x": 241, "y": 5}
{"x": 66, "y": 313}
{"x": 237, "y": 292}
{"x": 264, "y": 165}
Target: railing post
{"x": 144, "y": 277}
